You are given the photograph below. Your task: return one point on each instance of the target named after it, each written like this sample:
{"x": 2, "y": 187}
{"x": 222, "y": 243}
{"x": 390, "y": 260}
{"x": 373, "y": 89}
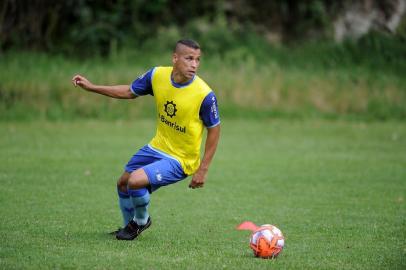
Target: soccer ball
{"x": 267, "y": 241}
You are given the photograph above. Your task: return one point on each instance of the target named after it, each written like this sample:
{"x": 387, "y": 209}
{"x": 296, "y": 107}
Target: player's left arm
{"x": 212, "y": 139}
{"x": 211, "y": 119}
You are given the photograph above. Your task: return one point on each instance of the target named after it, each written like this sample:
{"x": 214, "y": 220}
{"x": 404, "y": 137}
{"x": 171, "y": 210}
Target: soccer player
{"x": 185, "y": 105}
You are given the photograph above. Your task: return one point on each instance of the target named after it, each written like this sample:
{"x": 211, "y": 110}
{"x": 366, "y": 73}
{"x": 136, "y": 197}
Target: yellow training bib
{"x": 179, "y": 127}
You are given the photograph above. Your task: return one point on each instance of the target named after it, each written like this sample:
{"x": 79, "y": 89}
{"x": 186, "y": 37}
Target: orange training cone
{"x": 247, "y": 225}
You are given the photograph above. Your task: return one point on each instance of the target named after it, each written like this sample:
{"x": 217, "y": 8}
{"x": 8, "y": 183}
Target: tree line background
{"x": 99, "y": 27}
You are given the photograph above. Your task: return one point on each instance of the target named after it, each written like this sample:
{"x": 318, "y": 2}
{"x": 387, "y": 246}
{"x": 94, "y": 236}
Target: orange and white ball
{"x": 267, "y": 241}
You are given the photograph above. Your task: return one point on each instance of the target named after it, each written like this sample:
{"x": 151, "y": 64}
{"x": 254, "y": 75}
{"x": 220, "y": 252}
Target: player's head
{"x": 188, "y": 43}
{"x": 186, "y": 58}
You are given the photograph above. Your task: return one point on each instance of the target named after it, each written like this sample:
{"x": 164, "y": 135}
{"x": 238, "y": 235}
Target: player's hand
{"x": 198, "y": 179}
{"x": 79, "y": 80}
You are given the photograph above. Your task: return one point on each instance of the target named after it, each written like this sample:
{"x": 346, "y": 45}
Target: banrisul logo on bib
{"x": 170, "y": 110}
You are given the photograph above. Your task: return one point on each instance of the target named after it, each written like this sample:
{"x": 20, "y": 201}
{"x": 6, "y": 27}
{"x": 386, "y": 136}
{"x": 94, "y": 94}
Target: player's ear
{"x": 174, "y": 58}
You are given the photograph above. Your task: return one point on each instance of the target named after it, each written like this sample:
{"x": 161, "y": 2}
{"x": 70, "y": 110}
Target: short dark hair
{"x": 188, "y": 43}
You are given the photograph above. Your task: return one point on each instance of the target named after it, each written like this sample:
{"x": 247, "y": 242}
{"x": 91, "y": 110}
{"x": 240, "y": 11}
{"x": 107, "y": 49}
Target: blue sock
{"x": 126, "y": 206}
{"x": 140, "y": 199}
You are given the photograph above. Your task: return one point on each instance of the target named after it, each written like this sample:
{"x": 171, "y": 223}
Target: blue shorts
{"x": 161, "y": 168}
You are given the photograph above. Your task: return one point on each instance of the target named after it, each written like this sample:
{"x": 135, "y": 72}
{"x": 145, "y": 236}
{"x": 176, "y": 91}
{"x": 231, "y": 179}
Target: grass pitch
{"x": 335, "y": 189}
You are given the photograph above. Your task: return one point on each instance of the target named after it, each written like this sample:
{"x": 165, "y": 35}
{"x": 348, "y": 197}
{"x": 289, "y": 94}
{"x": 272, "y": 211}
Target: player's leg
{"x": 166, "y": 171}
{"x": 125, "y": 202}
{"x": 139, "y": 195}
{"x": 137, "y": 189}
{"x": 139, "y": 159}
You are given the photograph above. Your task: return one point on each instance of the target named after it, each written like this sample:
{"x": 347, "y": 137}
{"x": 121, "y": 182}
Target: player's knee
{"x": 133, "y": 182}
{"x": 137, "y": 179}
{"x": 122, "y": 182}
{"x": 121, "y": 187}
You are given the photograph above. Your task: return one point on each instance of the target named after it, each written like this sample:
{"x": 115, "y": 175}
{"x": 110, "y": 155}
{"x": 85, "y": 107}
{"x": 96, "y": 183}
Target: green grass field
{"x": 336, "y": 189}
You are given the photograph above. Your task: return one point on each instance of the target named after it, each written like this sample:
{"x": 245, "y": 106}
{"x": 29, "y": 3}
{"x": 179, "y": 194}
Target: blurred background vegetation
{"x": 311, "y": 58}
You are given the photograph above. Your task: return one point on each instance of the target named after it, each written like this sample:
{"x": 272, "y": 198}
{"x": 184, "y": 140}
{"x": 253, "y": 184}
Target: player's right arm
{"x": 114, "y": 91}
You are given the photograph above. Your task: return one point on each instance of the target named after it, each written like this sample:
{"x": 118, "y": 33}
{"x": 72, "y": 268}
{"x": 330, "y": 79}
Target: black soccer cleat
{"x": 132, "y": 230}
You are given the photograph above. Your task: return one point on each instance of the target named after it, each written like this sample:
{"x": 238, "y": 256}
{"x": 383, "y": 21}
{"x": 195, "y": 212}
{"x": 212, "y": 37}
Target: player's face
{"x": 186, "y": 61}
